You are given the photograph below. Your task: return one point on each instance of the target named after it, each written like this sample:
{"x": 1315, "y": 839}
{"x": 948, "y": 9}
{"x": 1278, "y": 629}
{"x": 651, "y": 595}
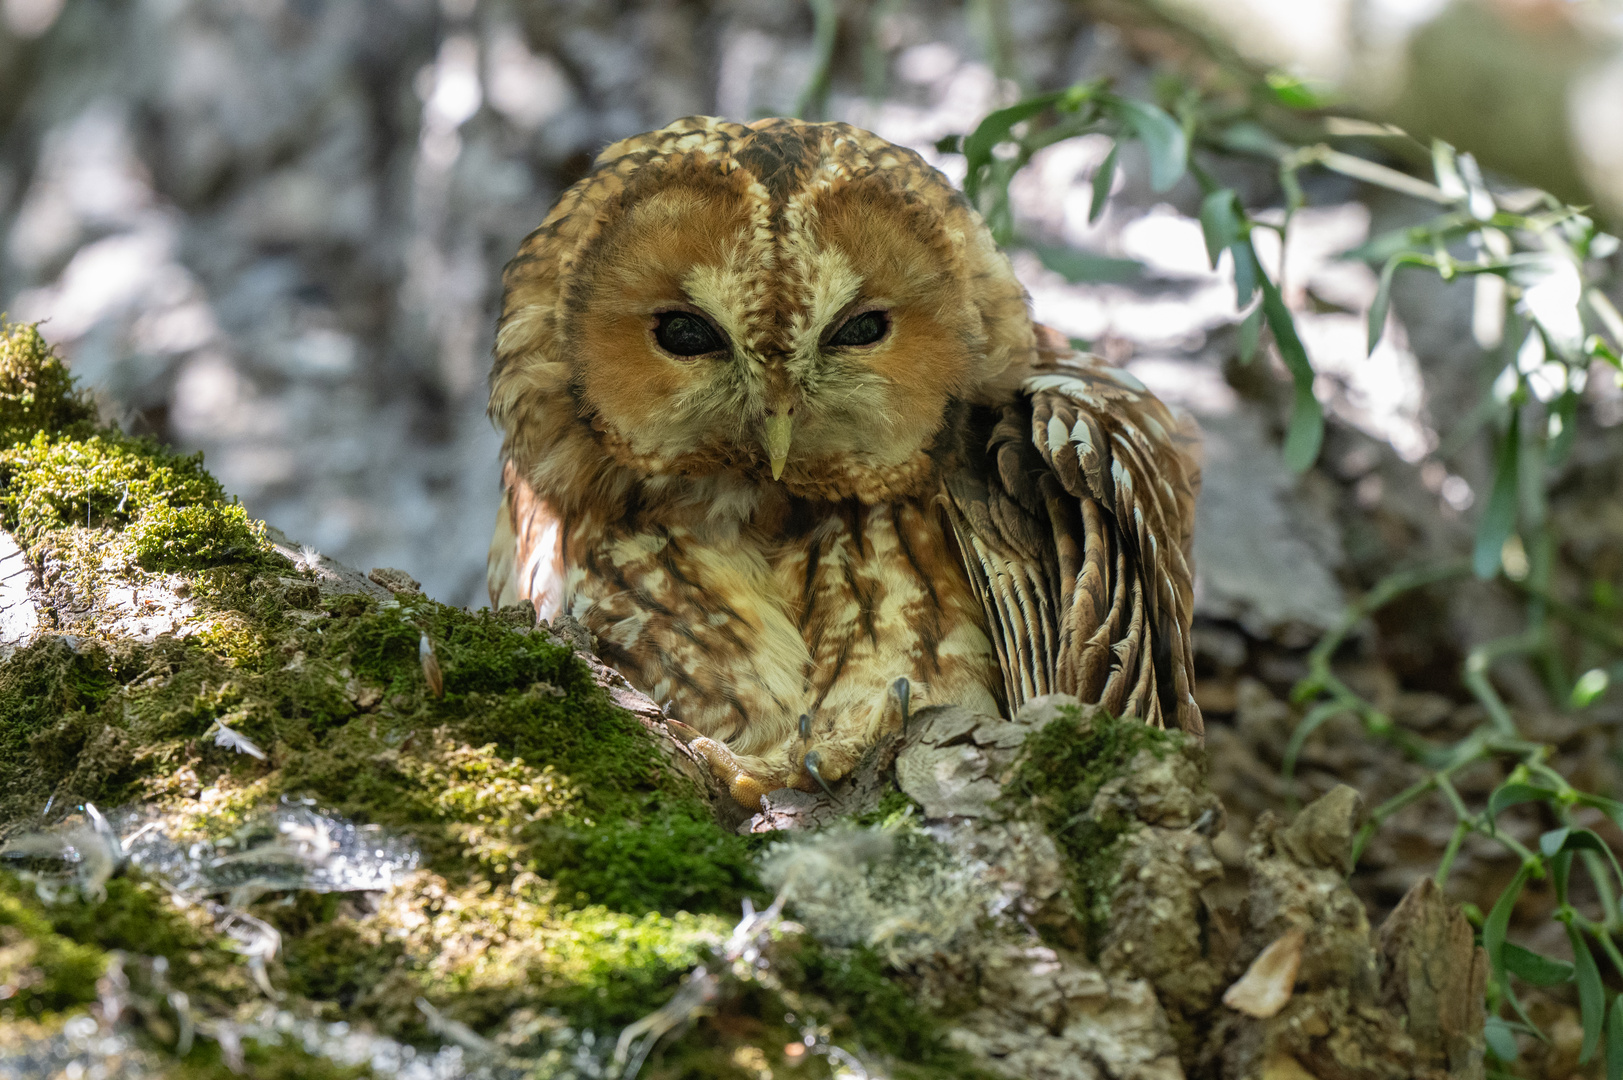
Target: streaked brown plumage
{"x": 780, "y": 431}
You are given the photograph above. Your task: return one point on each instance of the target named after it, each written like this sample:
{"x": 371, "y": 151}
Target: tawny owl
{"x": 780, "y": 432}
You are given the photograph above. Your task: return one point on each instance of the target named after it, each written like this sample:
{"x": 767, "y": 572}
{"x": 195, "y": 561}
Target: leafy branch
{"x": 1546, "y": 323}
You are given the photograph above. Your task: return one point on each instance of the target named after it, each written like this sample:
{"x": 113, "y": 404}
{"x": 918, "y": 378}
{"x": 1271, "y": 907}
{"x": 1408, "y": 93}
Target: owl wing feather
{"x": 1076, "y": 529}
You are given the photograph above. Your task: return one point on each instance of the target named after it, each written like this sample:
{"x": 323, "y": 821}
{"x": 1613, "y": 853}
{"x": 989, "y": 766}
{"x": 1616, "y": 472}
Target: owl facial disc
{"x": 714, "y": 294}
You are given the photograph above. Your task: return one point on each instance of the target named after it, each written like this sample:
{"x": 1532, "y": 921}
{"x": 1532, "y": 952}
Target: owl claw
{"x": 903, "y": 690}
{"x": 805, "y": 726}
{"x": 812, "y": 763}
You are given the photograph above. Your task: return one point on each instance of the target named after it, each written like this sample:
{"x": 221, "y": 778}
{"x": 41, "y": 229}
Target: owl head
{"x": 785, "y": 302}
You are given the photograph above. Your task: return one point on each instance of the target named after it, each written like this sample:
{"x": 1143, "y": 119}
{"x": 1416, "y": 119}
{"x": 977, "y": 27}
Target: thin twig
{"x": 1368, "y": 171}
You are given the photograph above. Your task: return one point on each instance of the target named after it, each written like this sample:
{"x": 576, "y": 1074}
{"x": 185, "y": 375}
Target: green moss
{"x": 877, "y": 1013}
{"x": 42, "y": 971}
{"x": 622, "y": 853}
{"x": 845, "y": 996}
{"x": 326, "y": 956}
{"x": 667, "y": 858}
{"x": 603, "y": 968}
{"x": 58, "y": 470}
{"x": 480, "y": 954}
{"x": 895, "y": 807}
{"x": 1062, "y": 768}
{"x": 192, "y": 537}
{"x": 103, "y": 479}
{"x": 48, "y": 694}
{"x": 523, "y": 764}
{"x": 36, "y": 392}
{"x": 601, "y": 814}
{"x": 137, "y": 919}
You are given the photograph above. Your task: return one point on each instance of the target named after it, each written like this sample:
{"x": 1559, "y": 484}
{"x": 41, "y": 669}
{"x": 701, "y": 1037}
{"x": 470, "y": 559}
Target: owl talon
{"x": 805, "y": 726}
{"x": 813, "y": 765}
{"x": 903, "y": 691}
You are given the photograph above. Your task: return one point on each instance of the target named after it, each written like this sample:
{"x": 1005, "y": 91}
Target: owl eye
{"x": 863, "y": 329}
{"x": 683, "y": 333}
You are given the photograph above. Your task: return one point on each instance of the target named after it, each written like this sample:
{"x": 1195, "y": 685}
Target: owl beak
{"x": 777, "y": 441}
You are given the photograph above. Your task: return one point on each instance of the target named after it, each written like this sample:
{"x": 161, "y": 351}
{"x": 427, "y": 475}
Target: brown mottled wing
{"x": 1076, "y": 527}
{"x": 525, "y": 561}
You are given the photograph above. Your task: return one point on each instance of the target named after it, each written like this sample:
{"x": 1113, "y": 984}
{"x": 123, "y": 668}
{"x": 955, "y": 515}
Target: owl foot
{"x": 746, "y": 790}
{"x": 813, "y": 761}
{"x": 829, "y": 764}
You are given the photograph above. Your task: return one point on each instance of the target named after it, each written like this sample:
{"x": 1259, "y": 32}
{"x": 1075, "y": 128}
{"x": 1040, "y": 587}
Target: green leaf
{"x": 1560, "y": 875}
{"x": 1595, "y": 347}
{"x": 1417, "y": 239}
{"x": 1383, "y": 294}
{"x": 1499, "y": 517}
{"x": 1614, "y": 1040}
{"x": 1588, "y": 840}
{"x": 1068, "y": 128}
{"x": 1446, "y": 169}
{"x": 1501, "y": 1039}
{"x": 1249, "y": 138}
{"x": 1379, "y": 249}
{"x": 1222, "y": 222}
{"x": 1078, "y": 266}
{"x": 1591, "y": 994}
{"x": 1610, "y": 807}
{"x": 1531, "y": 967}
{"x": 1567, "y": 839}
{"x": 1589, "y": 686}
{"x": 1306, "y": 432}
{"x": 1383, "y": 301}
{"x": 1247, "y": 273}
{"x": 1250, "y": 331}
{"x": 1563, "y": 428}
{"x": 1162, "y": 136}
{"x": 1508, "y": 795}
{"x": 994, "y": 198}
{"x": 1292, "y": 92}
{"x": 1103, "y": 177}
{"x": 994, "y": 129}
{"x": 1493, "y": 935}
